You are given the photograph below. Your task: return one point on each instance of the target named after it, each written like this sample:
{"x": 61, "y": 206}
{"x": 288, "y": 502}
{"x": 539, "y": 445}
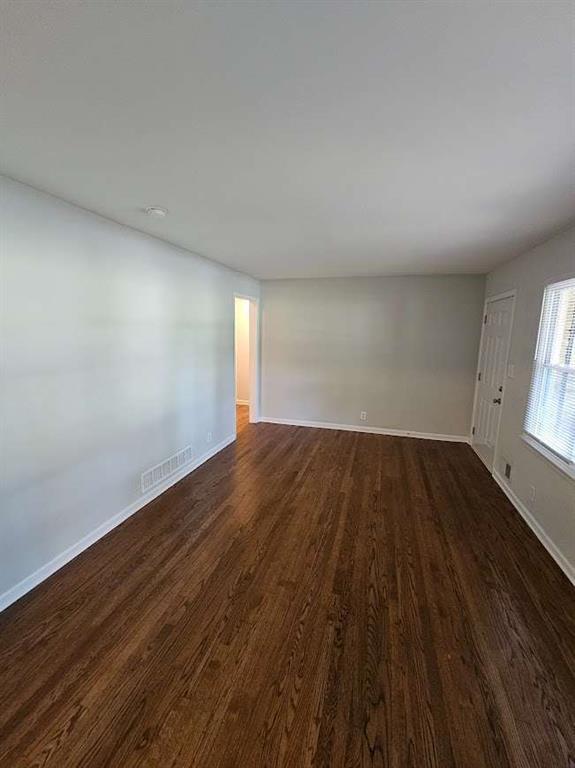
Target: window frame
{"x": 565, "y": 466}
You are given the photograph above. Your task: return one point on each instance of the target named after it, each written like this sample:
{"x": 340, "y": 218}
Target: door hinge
{"x": 485, "y": 320}
{"x": 479, "y": 376}
{"x": 472, "y": 430}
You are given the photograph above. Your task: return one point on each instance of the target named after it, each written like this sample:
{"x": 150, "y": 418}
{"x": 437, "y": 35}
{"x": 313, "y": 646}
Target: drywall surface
{"x": 117, "y": 350}
{"x": 242, "y": 351}
{"x": 554, "y": 505}
{"x": 402, "y": 349}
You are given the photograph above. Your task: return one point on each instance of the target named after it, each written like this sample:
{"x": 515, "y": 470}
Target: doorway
{"x": 246, "y": 360}
{"x": 491, "y": 376}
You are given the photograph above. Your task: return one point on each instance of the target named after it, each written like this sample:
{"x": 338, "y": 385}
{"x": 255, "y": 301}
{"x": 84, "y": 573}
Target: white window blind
{"x": 550, "y": 415}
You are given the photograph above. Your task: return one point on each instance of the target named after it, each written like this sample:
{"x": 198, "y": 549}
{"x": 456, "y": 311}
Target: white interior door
{"x": 491, "y": 377}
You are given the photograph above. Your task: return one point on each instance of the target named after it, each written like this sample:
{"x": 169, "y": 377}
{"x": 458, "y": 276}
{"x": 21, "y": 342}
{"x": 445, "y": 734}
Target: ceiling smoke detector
{"x": 156, "y": 212}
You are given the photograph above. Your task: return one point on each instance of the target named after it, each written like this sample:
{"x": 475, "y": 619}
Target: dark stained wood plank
{"x": 306, "y": 598}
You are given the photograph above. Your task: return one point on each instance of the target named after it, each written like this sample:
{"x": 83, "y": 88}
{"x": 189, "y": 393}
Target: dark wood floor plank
{"x": 306, "y": 598}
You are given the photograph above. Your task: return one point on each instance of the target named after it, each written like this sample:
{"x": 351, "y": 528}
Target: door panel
{"x": 492, "y": 373}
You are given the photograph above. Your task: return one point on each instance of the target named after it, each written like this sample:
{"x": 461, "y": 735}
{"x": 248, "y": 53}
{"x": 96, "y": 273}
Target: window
{"x": 550, "y": 416}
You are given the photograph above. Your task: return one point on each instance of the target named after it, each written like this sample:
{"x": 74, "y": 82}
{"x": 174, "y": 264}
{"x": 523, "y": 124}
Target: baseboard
{"x": 487, "y": 466}
{"x": 24, "y": 586}
{"x": 567, "y": 567}
{"x": 366, "y": 429}
{"x": 242, "y": 402}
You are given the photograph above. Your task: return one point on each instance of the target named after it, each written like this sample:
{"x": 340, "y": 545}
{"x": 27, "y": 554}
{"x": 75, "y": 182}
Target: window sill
{"x": 563, "y": 466}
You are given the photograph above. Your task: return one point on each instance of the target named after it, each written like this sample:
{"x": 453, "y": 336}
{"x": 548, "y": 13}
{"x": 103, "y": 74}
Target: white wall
{"x": 117, "y": 350}
{"x": 242, "y": 350}
{"x": 554, "y": 505}
{"x": 404, "y": 349}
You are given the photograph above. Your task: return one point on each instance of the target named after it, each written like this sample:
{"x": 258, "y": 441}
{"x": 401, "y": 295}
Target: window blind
{"x": 550, "y": 415}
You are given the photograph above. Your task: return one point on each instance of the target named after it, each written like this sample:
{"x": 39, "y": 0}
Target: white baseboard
{"x": 369, "y": 430}
{"x": 24, "y": 586}
{"x": 567, "y": 567}
{"x": 242, "y": 402}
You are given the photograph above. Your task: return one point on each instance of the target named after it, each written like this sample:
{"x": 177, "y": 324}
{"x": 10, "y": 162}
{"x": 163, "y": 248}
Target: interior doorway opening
{"x": 246, "y": 362}
{"x": 242, "y": 347}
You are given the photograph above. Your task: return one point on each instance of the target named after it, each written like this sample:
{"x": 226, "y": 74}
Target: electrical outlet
{"x": 209, "y": 437}
{"x": 363, "y": 415}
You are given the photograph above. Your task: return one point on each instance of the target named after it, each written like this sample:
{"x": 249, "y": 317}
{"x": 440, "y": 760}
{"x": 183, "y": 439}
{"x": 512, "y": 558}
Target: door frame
{"x": 254, "y": 344}
{"x": 511, "y": 294}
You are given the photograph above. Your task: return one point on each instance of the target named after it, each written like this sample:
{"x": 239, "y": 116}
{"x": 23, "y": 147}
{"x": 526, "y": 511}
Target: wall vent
{"x": 164, "y": 469}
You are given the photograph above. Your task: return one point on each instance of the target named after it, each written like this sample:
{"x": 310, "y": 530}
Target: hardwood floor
{"x": 306, "y": 598}
{"x": 242, "y": 417}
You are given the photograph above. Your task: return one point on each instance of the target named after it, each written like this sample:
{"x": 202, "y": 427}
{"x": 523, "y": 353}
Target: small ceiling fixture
{"x": 156, "y": 212}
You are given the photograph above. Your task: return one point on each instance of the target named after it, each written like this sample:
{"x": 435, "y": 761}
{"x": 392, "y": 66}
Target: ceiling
{"x": 301, "y": 138}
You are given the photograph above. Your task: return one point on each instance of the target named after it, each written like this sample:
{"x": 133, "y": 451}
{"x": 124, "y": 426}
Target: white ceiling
{"x": 298, "y": 138}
